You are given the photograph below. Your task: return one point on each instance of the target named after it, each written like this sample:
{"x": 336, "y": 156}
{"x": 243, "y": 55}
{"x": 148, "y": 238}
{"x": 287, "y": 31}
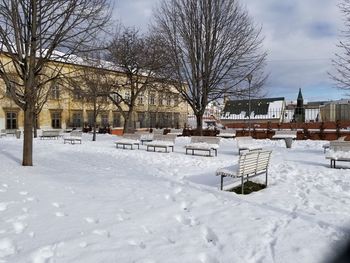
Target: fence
{"x": 324, "y": 114}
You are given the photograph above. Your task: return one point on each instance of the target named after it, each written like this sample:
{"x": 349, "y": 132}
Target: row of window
{"x": 162, "y": 100}
{"x": 156, "y": 119}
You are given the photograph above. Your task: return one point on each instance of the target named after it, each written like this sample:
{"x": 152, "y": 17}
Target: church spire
{"x": 300, "y": 96}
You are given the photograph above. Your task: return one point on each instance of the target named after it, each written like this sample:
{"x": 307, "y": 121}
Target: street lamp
{"x": 249, "y": 78}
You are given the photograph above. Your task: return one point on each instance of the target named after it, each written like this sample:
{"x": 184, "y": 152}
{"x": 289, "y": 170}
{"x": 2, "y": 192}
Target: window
{"x": 176, "y": 100}
{"x": 104, "y": 120}
{"x": 90, "y": 116}
{"x": 176, "y": 120}
{"x": 77, "y": 119}
{"x": 152, "y": 99}
{"x": 168, "y": 101}
{"x": 56, "y": 120}
{"x": 140, "y": 99}
{"x": 141, "y": 119}
{"x": 153, "y": 120}
{"x": 116, "y": 119}
{"x": 160, "y": 99}
{"x": 77, "y": 95}
{"x": 55, "y": 92}
{"x": 11, "y": 120}
{"x": 127, "y": 96}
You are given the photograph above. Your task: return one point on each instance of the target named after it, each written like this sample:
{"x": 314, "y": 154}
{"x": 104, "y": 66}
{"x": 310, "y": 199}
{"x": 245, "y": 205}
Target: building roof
{"x": 237, "y": 109}
{"x": 300, "y": 96}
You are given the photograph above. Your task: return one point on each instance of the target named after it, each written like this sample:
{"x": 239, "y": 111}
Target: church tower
{"x": 299, "y": 113}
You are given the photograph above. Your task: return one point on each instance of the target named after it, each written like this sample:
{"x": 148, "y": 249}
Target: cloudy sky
{"x": 300, "y": 37}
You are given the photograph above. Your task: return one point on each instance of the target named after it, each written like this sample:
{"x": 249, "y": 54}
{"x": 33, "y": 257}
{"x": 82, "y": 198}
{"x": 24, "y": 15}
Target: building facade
{"x": 155, "y": 108}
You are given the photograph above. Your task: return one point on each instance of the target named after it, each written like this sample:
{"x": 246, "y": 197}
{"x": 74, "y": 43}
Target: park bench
{"x": 2, "y": 133}
{"x": 177, "y": 132}
{"x": 5, "y": 132}
{"x": 326, "y": 146}
{"x": 129, "y": 139}
{"x": 250, "y": 164}
{"x": 50, "y": 134}
{"x": 203, "y": 143}
{"x": 338, "y": 151}
{"x": 287, "y": 136}
{"x": 162, "y": 142}
{"x": 227, "y": 133}
{"x": 74, "y": 136}
{"x": 246, "y": 143}
{"x": 145, "y": 136}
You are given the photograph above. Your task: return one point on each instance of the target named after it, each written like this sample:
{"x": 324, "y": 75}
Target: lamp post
{"x": 249, "y": 78}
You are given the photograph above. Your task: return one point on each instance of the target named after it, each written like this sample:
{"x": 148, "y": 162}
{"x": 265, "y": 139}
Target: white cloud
{"x": 300, "y": 36}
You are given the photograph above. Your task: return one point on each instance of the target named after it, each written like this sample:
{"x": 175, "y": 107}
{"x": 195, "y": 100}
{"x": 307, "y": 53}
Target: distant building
{"x": 261, "y": 110}
{"x": 336, "y": 110}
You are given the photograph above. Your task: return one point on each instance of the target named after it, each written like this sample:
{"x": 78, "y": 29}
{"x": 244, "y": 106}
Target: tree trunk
{"x": 129, "y": 123}
{"x": 94, "y": 128}
{"x": 28, "y": 138}
{"x": 35, "y": 128}
{"x": 199, "y": 119}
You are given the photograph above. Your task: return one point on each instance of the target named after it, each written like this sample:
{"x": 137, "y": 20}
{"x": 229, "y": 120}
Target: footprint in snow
{"x": 135, "y": 243}
{"x": 169, "y": 197}
{"x": 44, "y": 254}
{"x": 101, "y": 232}
{"x": 3, "y": 207}
{"x": 60, "y": 214}
{"x": 177, "y": 190}
{"x": 185, "y": 220}
{"x": 209, "y": 235}
{"x": 204, "y": 258}
{"x": 91, "y": 220}
{"x": 57, "y": 205}
{"x": 23, "y": 193}
{"x": 7, "y": 248}
{"x": 19, "y": 227}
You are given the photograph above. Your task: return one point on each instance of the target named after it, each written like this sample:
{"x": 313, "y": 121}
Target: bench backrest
{"x": 254, "y": 162}
{"x": 176, "y": 130}
{"x": 205, "y": 139}
{"x": 10, "y": 131}
{"x": 158, "y": 131}
{"x": 145, "y": 135}
{"x": 131, "y": 136}
{"x": 286, "y": 133}
{"x": 229, "y": 131}
{"x": 76, "y": 133}
{"x": 343, "y": 146}
{"x": 168, "y": 137}
{"x": 50, "y": 133}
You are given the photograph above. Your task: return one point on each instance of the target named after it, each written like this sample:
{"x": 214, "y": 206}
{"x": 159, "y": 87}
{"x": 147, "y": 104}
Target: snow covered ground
{"x": 95, "y": 203}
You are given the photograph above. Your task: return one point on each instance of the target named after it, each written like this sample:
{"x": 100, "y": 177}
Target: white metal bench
{"x": 145, "y": 136}
{"x": 250, "y": 164}
{"x": 246, "y": 144}
{"x": 227, "y": 134}
{"x": 203, "y": 143}
{"x": 285, "y": 134}
{"x": 177, "y": 132}
{"x": 161, "y": 141}
{"x": 50, "y": 134}
{"x": 129, "y": 140}
{"x": 74, "y": 136}
{"x": 5, "y": 132}
{"x": 2, "y": 133}
{"x": 326, "y": 145}
{"x": 338, "y": 151}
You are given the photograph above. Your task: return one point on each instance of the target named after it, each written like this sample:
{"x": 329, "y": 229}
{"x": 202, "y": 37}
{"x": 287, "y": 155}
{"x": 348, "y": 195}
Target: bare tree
{"x": 35, "y": 33}
{"x": 138, "y": 57}
{"x": 341, "y": 62}
{"x": 93, "y": 84}
{"x": 212, "y": 46}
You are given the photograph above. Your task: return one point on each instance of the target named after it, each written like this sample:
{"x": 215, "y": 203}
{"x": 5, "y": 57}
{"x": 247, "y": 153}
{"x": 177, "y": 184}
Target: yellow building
{"x": 155, "y": 108}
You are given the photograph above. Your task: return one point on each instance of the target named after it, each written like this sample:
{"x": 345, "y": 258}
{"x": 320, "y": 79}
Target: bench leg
{"x": 222, "y": 182}
{"x": 216, "y": 152}
{"x": 192, "y": 152}
{"x": 172, "y": 148}
{"x": 266, "y": 178}
{"x": 242, "y": 186}
{"x": 186, "y": 151}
